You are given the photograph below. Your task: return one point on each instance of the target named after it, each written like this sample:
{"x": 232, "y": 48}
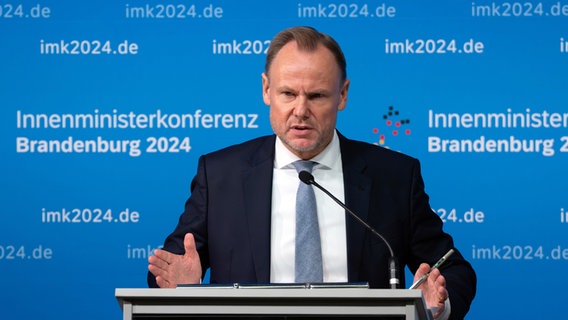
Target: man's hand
{"x": 172, "y": 269}
{"x": 433, "y": 289}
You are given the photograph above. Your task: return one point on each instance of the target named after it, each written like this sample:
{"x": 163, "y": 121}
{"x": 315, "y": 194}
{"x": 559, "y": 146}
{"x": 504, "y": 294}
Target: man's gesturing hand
{"x": 433, "y": 289}
{"x": 172, "y": 269}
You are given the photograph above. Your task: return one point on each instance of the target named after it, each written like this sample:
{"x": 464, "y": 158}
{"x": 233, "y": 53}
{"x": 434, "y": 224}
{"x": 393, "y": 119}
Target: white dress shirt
{"x": 331, "y": 217}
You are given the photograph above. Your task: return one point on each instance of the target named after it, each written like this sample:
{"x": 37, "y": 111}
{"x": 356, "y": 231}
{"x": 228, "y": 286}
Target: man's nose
{"x": 302, "y": 108}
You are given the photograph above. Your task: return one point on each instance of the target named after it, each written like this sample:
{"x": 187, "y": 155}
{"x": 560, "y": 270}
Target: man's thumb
{"x": 189, "y": 243}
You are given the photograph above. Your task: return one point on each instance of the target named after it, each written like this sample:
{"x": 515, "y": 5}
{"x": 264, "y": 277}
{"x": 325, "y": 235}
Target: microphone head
{"x": 306, "y": 177}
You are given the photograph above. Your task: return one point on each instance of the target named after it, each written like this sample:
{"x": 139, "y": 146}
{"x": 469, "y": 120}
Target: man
{"x": 239, "y": 220}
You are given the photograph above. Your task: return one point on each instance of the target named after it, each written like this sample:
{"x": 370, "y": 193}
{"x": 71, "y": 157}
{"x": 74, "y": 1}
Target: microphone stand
{"x": 308, "y": 178}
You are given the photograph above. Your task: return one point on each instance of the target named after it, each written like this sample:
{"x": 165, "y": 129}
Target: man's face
{"x": 304, "y": 91}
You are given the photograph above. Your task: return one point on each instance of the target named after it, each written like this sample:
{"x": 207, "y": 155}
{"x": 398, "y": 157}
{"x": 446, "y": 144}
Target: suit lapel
{"x": 357, "y": 195}
{"x": 257, "y": 183}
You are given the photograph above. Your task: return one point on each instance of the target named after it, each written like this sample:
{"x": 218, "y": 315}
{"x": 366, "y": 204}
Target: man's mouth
{"x": 300, "y": 127}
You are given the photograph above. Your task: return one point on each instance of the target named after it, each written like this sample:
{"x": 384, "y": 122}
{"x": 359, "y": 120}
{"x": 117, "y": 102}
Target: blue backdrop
{"x": 105, "y": 107}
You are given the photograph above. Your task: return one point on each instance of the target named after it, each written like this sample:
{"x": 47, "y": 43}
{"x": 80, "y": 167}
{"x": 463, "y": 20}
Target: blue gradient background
{"x": 175, "y": 71}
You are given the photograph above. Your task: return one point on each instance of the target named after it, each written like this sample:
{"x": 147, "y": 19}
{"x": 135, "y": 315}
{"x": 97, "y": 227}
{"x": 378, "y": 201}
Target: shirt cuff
{"x": 446, "y": 313}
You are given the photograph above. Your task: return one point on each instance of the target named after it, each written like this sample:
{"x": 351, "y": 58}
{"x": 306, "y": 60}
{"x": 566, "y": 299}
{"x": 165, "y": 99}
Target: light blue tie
{"x": 308, "y": 244}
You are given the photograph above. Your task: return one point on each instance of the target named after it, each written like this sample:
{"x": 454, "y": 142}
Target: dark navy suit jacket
{"x": 230, "y": 207}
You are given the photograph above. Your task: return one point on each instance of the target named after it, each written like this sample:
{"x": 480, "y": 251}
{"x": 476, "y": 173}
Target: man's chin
{"x": 303, "y": 149}
{"x": 302, "y": 145}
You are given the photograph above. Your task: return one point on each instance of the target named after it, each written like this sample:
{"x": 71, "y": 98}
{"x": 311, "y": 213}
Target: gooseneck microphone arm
{"x": 308, "y": 178}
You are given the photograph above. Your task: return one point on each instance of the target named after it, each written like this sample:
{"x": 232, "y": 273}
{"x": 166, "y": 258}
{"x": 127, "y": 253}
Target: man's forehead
{"x": 291, "y": 54}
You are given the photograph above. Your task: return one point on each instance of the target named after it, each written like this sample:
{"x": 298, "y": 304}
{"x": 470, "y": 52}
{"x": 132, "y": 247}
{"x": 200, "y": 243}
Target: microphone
{"x": 308, "y": 178}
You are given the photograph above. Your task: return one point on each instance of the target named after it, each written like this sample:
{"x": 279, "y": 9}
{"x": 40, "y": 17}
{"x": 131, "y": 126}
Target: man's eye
{"x": 316, "y": 95}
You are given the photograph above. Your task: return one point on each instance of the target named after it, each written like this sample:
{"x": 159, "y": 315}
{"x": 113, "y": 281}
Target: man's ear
{"x": 343, "y": 95}
{"x": 265, "y": 89}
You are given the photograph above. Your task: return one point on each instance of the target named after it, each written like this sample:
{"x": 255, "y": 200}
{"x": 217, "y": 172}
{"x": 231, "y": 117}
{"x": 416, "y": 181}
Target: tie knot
{"x": 304, "y": 165}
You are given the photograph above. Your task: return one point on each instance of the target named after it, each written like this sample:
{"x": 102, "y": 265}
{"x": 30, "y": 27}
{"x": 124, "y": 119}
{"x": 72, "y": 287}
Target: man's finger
{"x": 189, "y": 243}
{"x": 164, "y": 255}
{"x": 160, "y": 259}
{"x": 162, "y": 282}
{"x": 422, "y": 270}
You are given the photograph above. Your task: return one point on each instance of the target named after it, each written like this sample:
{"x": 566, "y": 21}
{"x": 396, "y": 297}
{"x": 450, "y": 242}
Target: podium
{"x": 202, "y": 302}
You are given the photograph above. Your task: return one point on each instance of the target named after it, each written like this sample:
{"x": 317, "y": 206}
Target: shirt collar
{"x": 327, "y": 159}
